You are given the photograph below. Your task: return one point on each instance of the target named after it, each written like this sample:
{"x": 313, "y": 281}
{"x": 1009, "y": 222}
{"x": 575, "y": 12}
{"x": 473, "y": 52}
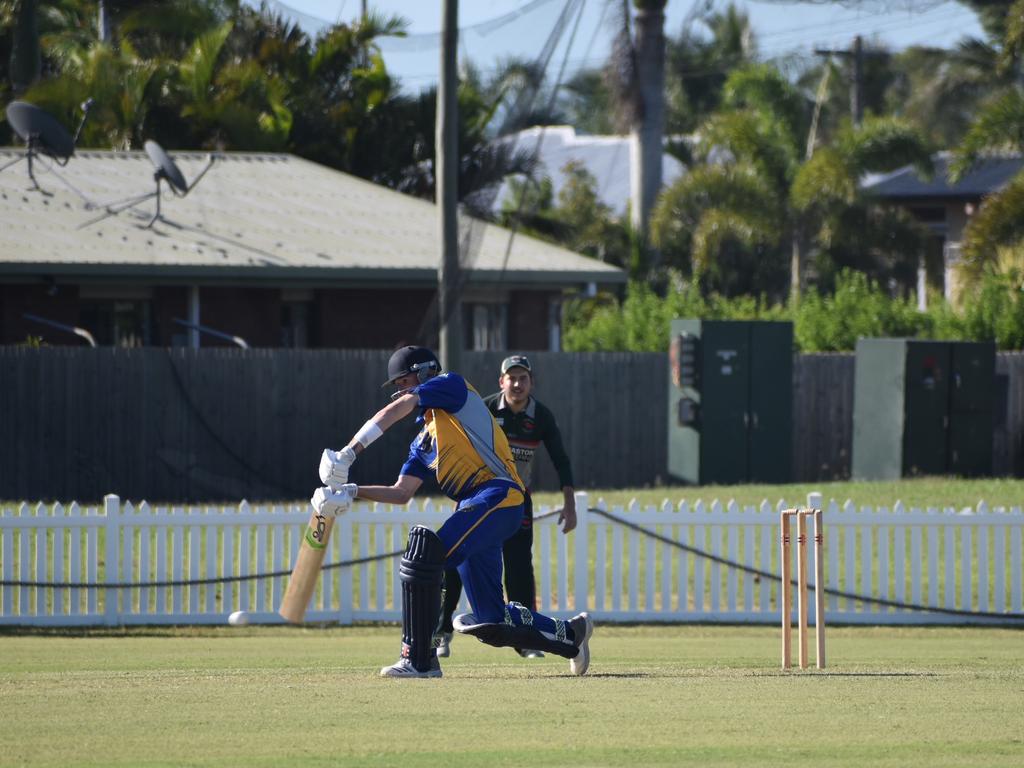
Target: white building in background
{"x": 607, "y": 158}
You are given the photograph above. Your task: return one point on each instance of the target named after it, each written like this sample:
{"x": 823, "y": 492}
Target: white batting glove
{"x": 330, "y": 503}
{"x": 334, "y": 466}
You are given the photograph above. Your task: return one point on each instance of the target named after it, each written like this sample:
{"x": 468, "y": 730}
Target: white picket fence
{"x": 966, "y": 561}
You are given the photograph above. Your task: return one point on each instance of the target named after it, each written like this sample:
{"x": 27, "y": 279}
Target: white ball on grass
{"x": 238, "y": 619}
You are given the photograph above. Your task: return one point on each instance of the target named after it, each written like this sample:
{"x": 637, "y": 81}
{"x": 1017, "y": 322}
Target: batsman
{"x": 462, "y": 445}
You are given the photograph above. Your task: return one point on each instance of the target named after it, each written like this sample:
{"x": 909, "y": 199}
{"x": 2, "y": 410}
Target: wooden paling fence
{"x": 127, "y": 564}
{"x": 185, "y": 425}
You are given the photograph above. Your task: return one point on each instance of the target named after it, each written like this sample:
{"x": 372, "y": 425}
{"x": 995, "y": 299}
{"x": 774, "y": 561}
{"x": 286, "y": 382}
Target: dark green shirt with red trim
{"x": 526, "y": 430}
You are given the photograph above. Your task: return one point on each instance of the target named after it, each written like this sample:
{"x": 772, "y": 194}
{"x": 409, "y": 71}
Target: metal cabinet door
{"x": 927, "y": 408}
{"x": 771, "y": 402}
{"x": 725, "y": 352}
{"x": 970, "y": 443}
{"x": 973, "y": 371}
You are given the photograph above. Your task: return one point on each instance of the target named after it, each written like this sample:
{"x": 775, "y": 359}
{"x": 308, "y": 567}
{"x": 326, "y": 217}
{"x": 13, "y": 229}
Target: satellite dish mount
{"x": 166, "y": 171}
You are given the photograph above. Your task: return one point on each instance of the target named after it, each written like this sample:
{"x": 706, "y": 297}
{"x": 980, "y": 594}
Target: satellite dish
{"x": 166, "y": 168}
{"x": 42, "y": 134}
{"x": 166, "y": 171}
{"x": 40, "y": 130}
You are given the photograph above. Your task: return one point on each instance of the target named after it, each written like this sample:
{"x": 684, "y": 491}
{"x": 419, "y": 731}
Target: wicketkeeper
{"x": 462, "y": 445}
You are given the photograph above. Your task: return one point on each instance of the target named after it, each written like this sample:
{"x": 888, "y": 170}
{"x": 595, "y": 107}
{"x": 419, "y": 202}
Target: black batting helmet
{"x": 418, "y": 360}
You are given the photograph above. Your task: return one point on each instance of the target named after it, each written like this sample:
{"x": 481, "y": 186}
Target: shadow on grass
{"x": 869, "y": 674}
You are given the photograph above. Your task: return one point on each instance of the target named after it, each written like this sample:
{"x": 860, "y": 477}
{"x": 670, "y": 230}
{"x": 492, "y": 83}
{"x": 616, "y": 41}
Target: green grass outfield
{"x": 918, "y": 492}
{"x": 666, "y": 695}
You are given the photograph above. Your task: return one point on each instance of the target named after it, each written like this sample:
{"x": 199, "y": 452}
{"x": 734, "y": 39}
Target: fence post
{"x": 582, "y": 565}
{"x": 814, "y": 500}
{"x": 112, "y": 597}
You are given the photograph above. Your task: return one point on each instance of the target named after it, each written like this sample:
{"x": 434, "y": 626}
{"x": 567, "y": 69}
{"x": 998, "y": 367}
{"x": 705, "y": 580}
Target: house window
{"x": 485, "y": 326}
{"x": 296, "y": 319}
{"x": 295, "y": 324}
{"x": 117, "y": 322}
{"x": 931, "y": 214}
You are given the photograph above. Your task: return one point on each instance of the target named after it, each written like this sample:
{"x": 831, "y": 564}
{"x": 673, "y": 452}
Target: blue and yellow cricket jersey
{"x": 460, "y": 442}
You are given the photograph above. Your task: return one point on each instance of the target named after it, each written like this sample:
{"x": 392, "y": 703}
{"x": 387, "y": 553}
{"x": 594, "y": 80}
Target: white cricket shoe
{"x": 404, "y": 668}
{"x": 444, "y": 645}
{"x": 466, "y": 622}
{"x": 582, "y": 628}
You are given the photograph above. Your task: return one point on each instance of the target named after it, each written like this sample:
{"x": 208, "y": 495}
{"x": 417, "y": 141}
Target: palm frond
{"x": 825, "y": 181}
{"x": 737, "y": 189}
{"x": 999, "y": 128}
{"x": 1013, "y": 41}
{"x": 762, "y": 88}
{"x": 998, "y": 223}
{"x": 200, "y": 64}
{"x": 714, "y": 231}
{"x": 753, "y": 138}
{"x": 376, "y": 24}
{"x": 883, "y": 144}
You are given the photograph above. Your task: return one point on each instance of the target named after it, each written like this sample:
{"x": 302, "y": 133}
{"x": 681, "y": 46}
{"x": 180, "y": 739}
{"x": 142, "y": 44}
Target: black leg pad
{"x": 421, "y": 571}
{"x": 513, "y": 636}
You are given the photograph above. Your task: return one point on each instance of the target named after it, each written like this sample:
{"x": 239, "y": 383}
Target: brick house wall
{"x": 348, "y": 318}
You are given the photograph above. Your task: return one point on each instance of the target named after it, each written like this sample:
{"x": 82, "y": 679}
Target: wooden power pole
{"x": 856, "y": 56}
{"x": 446, "y": 199}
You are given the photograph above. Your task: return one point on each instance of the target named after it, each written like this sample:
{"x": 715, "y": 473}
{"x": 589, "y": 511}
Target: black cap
{"x": 410, "y": 360}
{"x": 515, "y": 361}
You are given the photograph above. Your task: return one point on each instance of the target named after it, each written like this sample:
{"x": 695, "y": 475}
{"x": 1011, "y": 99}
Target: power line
{"x": 782, "y": 46}
{"x": 413, "y": 41}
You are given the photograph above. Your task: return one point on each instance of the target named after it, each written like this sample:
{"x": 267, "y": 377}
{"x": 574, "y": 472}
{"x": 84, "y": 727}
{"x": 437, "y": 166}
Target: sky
{"x": 497, "y": 29}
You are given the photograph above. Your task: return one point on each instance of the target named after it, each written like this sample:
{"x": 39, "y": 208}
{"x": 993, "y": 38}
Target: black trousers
{"x": 517, "y": 554}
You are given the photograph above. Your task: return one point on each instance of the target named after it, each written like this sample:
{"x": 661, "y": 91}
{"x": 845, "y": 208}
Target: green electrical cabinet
{"x": 922, "y": 408}
{"x": 730, "y": 402}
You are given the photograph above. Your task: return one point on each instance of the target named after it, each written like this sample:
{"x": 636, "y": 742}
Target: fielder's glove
{"x": 330, "y": 503}
{"x": 334, "y": 467}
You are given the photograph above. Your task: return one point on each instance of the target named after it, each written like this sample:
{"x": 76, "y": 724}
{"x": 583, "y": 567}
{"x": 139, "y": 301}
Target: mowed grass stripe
{"x": 665, "y": 695}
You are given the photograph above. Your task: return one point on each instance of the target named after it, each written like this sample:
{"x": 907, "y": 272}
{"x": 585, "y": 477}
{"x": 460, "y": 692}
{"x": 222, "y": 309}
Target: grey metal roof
{"x": 253, "y": 217}
{"x": 987, "y": 176}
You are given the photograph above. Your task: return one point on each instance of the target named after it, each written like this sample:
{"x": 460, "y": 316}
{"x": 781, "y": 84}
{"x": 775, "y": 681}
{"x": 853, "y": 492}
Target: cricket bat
{"x": 306, "y": 570}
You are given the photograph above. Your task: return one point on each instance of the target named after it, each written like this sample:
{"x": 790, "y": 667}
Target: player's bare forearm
{"x": 388, "y": 416}
{"x": 568, "y": 516}
{"x": 399, "y": 493}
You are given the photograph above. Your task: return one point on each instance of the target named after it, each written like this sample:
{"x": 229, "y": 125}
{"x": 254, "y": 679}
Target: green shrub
{"x": 997, "y": 312}
{"x": 858, "y": 308}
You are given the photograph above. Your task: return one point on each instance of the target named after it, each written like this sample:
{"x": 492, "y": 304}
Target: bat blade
{"x": 306, "y": 570}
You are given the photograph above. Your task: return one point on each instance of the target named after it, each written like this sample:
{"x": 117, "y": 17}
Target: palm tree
{"x": 648, "y": 127}
{"x": 941, "y": 91}
{"x": 847, "y": 229}
{"x": 491, "y": 109}
{"x": 645, "y": 66}
{"x": 122, "y": 67}
{"x": 25, "y": 58}
{"x": 999, "y": 128}
{"x": 753, "y": 195}
{"x": 729, "y": 213}
{"x": 700, "y": 59}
